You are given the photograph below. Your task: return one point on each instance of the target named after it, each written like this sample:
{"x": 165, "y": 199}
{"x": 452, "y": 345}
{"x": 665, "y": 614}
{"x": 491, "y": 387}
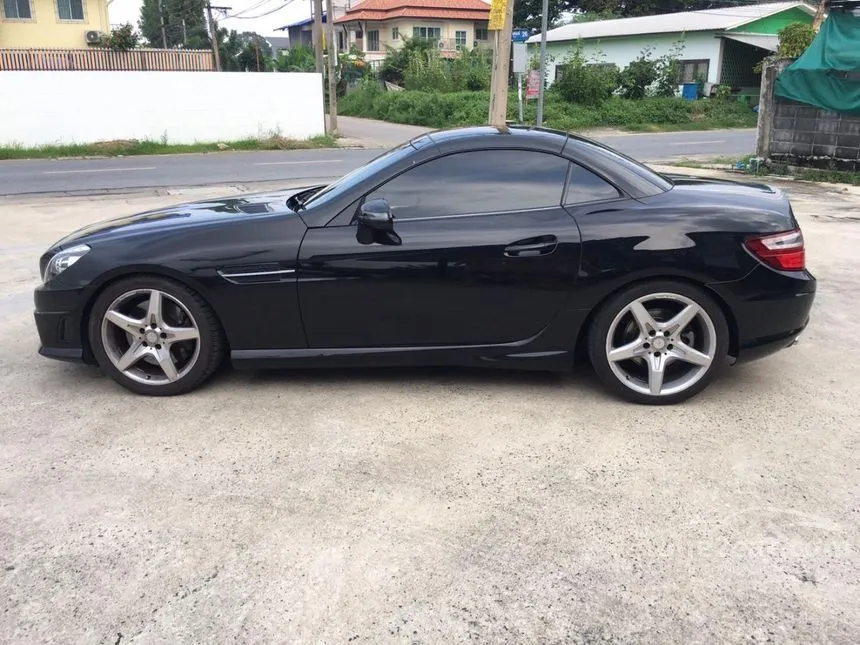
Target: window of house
{"x": 430, "y": 33}
{"x": 395, "y": 33}
{"x": 691, "y": 71}
{"x": 559, "y": 70}
{"x": 482, "y": 33}
{"x": 486, "y": 181}
{"x": 584, "y": 187}
{"x": 460, "y": 39}
{"x": 603, "y": 67}
{"x": 17, "y": 9}
{"x": 70, "y": 9}
{"x": 373, "y": 40}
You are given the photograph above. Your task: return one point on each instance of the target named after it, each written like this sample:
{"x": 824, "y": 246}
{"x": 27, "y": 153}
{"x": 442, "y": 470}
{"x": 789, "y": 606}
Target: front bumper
{"x": 771, "y": 309}
{"x": 58, "y": 317}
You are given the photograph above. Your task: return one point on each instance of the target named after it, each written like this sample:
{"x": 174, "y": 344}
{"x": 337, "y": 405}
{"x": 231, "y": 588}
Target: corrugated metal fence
{"x": 99, "y": 59}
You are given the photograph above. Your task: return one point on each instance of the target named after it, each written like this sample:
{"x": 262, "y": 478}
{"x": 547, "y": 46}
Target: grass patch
{"x": 131, "y": 147}
{"x": 442, "y": 110}
{"x": 716, "y": 161}
{"x": 774, "y": 170}
{"x": 813, "y": 174}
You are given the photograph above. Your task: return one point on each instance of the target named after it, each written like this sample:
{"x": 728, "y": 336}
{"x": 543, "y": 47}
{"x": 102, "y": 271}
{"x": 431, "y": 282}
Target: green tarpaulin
{"x": 819, "y": 76}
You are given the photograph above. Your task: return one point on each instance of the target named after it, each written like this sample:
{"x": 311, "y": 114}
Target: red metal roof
{"x": 433, "y": 9}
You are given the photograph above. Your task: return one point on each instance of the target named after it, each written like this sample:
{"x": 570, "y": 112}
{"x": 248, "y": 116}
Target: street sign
{"x": 533, "y": 88}
{"x": 520, "y": 35}
{"x": 497, "y": 14}
{"x": 521, "y": 58}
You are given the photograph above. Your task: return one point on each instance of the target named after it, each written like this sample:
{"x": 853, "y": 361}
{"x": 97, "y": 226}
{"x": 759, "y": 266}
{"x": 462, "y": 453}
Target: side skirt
{"x": 508, "y": 356}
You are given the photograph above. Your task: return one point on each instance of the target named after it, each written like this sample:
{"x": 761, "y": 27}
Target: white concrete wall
{"x": 38, "y": 108}
{"x": 624, "y": 50}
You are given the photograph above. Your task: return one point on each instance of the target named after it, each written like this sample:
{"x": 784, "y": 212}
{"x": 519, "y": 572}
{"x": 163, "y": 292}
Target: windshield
{"x": 352, "y": 179}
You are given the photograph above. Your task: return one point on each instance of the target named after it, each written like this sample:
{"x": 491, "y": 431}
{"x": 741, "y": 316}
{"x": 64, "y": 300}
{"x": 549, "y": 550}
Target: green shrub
{"x": 584, "y": 82}
{"x": 296, "y": 59}
{"x": 396, "y": 61}
{"x": 418, "y": 66}
{"x": 440, "y": 110}
{"x": 794, "y": 39}
{"x": 639, "y": 75}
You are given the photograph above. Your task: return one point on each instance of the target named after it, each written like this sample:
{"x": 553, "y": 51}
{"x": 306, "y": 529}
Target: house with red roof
{"x": 374, "y": 26}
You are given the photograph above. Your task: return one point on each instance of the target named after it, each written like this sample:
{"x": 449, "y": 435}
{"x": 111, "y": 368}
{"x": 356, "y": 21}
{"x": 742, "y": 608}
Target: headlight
{"x": 63, "y": 260}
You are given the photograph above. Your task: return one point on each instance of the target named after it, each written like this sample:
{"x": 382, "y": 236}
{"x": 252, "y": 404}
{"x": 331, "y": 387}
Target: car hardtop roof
{"x": 541, "y": 138}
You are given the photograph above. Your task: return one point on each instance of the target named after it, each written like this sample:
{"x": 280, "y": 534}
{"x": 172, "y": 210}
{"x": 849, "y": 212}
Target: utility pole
{"x": 184, "y": 34}
{"x": 213, "y": 31}
{"x": 163, "y": 30}
{"x": 257, "y": 51}
{"x": 332, "y": 68}
{"x": 501, "y": 68}
{"x": 317, "y": 36}
{"x": 543, "y": 28}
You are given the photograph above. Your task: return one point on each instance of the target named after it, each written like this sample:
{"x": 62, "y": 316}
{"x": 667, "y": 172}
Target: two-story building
{"x": 51, "y": 23}
{"x": 374, "y": 26}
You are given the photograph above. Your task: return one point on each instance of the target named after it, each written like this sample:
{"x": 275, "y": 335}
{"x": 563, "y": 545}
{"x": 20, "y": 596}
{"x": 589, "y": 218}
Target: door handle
{"x": 533, "y": 247}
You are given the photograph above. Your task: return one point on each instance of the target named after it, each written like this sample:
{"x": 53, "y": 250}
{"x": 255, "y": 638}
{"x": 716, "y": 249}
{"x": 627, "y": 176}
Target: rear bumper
{"x": 58, "y": 321}
{"x": 771, "y": 309}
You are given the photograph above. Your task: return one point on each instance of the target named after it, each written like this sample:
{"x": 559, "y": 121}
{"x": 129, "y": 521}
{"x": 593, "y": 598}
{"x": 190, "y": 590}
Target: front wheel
{"x": 659, "y": 343}
{"x": 155, "y": 336}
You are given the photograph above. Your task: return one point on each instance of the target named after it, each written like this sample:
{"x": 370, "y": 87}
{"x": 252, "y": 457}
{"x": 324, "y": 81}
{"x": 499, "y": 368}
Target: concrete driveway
{"x": 430, "y": 506}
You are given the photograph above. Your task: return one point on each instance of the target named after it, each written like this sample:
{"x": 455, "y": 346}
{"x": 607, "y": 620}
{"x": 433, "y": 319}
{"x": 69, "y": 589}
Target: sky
{"x": 249, "y": 14}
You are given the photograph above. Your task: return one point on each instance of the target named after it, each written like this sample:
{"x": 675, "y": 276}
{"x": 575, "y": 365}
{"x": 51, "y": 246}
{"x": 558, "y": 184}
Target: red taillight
{"x": 783, "y": 251}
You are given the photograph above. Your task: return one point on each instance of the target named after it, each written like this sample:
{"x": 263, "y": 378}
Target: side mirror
{"x": 376, "y": 214}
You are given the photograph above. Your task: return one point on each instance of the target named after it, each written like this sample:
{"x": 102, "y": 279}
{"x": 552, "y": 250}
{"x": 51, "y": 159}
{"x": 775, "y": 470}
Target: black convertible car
{"x": 509, "y": 247}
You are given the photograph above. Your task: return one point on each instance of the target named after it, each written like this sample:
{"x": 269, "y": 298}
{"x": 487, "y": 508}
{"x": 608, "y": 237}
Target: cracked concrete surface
{"x": 429, "y": 506}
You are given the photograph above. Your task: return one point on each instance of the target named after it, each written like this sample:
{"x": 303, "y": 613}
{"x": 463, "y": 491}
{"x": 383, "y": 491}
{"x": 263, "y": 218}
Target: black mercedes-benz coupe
{"x": 495, "y": 247}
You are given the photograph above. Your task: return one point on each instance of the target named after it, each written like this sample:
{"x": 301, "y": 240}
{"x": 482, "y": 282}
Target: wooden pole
{"x": 332, "y": 68}
{"x": 501, "y": 69}
{"x": 163, "y": 30}
{"x": 214, "y": 31}
{"x": 317, "y": 36}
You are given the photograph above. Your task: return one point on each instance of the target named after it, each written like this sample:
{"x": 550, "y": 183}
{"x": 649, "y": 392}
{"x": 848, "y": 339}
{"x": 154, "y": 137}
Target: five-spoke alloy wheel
{"x": 154, "y": 336}
{"x": 659, "y": 343}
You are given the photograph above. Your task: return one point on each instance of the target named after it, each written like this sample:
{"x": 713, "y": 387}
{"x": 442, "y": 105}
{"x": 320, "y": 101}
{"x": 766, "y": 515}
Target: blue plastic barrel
{"x": 690, "y": 91}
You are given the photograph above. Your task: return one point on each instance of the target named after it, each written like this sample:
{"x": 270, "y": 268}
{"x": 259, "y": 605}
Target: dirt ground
{"x": 430, "y": 506}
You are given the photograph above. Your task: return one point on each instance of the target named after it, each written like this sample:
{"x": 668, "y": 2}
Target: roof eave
{"x": 796, "y": 5}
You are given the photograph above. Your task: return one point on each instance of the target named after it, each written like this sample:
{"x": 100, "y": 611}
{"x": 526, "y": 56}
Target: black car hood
{"x": 201, "y": 213}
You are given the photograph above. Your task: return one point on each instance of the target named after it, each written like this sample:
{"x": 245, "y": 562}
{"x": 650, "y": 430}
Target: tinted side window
{"x": 484, "y": 181}
{"x": 584, "y": 187}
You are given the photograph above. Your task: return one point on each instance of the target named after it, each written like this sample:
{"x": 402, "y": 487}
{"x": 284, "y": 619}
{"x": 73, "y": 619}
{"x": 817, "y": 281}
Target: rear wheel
{"x": 155, "y": 336}
{"x": 659, "y": 343}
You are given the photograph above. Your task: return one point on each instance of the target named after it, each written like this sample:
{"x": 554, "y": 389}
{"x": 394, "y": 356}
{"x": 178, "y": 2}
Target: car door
{"x": 481, "y": 252}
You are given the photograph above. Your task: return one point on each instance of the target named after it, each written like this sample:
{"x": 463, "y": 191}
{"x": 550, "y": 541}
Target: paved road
{"x": 94, "y": 175}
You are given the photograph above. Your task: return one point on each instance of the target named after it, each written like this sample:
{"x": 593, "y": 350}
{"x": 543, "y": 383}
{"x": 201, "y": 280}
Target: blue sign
{"x": 520, "y": 35}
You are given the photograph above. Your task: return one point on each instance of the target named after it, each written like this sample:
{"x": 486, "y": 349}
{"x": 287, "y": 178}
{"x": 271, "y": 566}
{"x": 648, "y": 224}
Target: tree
{"x": 121, "y": 38}
{"x": 527, "y": 13}
{"x": 184, "y": 23}
{"x": 629, "y": 8}
{"x": 255, "y": 49}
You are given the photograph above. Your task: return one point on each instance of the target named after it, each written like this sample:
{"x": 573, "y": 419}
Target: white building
{"x": 721, "y": 45}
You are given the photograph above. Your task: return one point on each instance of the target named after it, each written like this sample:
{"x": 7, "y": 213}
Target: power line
{"x": 251, "y": 8}
{"x": 238, "y": 17}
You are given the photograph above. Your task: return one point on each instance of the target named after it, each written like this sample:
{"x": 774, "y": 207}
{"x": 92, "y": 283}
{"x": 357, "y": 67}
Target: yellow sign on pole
{"x": 497, "y": 14}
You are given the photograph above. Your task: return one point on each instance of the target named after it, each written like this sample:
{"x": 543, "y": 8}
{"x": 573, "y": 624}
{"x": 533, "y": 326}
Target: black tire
{"x": 212, "y": 345}
{"x": 600, "y": 328}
